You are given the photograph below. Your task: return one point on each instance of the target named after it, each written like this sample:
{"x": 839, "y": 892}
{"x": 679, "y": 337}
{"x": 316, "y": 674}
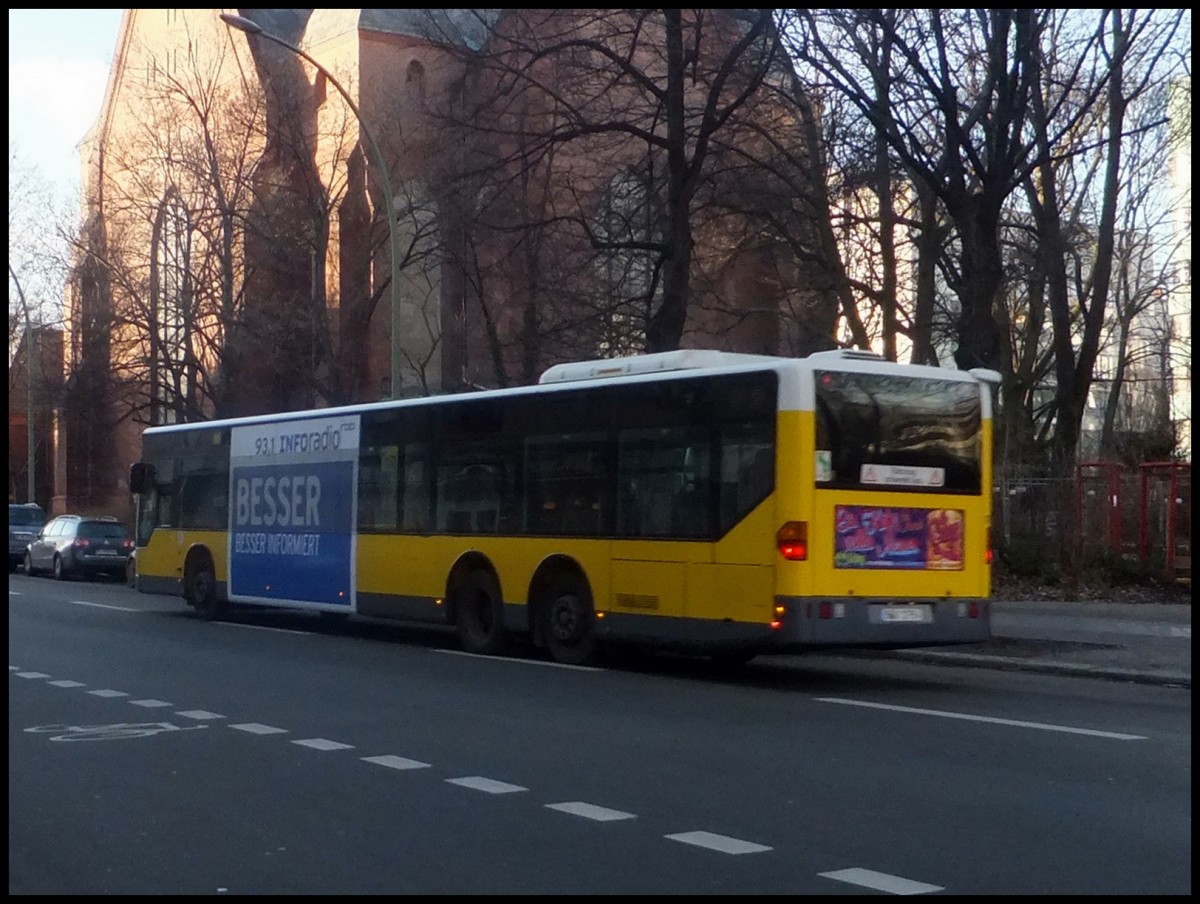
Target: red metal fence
{"x": 1136, "y": 520}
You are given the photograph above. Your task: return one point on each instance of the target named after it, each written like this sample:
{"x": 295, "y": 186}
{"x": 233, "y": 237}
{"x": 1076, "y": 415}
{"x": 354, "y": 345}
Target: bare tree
{"x": 986, "y": 111}
{"x": 605, "y": 135}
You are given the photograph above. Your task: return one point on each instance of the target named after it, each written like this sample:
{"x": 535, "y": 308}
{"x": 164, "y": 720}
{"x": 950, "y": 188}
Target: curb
{"x": 1044, "y": 666}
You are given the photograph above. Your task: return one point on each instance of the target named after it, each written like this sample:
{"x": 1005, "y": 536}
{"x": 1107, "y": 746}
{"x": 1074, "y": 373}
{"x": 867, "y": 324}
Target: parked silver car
{"x": 71, "y": 545}
{"x": 25, "y": 519}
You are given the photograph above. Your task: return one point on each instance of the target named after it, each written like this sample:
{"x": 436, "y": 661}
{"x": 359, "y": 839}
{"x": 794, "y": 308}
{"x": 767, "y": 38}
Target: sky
{"x": 58, "y": 63}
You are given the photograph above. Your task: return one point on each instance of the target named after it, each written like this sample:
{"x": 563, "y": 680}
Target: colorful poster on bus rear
{"x": 292, "y": 511}
{"x": 892, "y": 537}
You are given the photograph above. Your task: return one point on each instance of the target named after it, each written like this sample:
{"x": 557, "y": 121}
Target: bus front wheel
{"x": 479, "y": 614}
{"x": 569, "y": 622}
{"x": 200, "y": 587}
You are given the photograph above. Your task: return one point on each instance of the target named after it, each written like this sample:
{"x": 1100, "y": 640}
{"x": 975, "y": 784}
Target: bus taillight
{"x": 792, "y": 540}
{"x": 990, "y": 554}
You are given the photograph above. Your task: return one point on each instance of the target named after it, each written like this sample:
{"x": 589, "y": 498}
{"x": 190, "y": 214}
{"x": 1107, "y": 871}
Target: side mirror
{"x": 141, "y": 478}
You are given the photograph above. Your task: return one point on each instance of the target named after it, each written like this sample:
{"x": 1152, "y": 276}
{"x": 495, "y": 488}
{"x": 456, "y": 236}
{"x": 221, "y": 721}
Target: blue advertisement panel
{"x": 891, "y": 537}
{"x": 292, "y": 512}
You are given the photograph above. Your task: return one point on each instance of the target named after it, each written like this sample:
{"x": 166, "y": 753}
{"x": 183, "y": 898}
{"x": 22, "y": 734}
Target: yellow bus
{"x": 702, "y": 501}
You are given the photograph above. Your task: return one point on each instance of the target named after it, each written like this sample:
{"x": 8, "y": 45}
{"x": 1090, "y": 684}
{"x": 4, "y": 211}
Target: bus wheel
{"x": 569, "y": 622}
{"x": 200, "y": 587}
{"x": 479, "y": 614}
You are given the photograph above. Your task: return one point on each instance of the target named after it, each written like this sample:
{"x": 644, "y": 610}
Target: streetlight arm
{"x": 241, "y": 23}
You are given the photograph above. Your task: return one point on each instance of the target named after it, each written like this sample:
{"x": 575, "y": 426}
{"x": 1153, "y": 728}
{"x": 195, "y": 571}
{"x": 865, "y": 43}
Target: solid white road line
{"x": 103, "y": 606}
{"x": 1016, "y": 723}
{"x": 517, "y": 659}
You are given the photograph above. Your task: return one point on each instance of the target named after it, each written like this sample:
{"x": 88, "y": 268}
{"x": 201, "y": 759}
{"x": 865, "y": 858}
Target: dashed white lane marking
{"x": 1042, "y": 726}
{"x": 868, "y": 878}
{"x": 520, "y": 661}
{"x": 66, "y": 682}
{"x": 106, "y": 693}
{"x": 259, "y": 728}
{"x": 150, "y": 703}
{"x": 102, "y": 606}
{"x": 491, "y": 786}
{"x": 323, "y": 744}
{"x": 590, "y": 811}
{"x": 32, "y": 675}
{"x": 722, "y": 843}
{"x": 395, "y": 762}
{"x": 199, "y": 714}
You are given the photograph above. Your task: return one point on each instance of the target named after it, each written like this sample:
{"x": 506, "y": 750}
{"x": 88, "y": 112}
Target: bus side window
{"x": 476, "y": 487}
{"x": 377, "y": 468}
{"x": 747, "y": 470}
{"x": 203, "y": 501}
{"x": 565, "y": 484}
{"x": 664, "y": 480}
{"x": 147, "y": 509}
{"x": 415, "y": 491}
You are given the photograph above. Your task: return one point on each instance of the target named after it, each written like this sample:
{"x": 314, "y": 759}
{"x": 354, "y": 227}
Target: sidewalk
{"x": 1149, "y": 643}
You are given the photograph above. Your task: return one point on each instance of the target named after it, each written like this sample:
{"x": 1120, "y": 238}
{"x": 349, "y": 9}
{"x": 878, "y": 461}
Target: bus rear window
{"x": 880, "y": 432}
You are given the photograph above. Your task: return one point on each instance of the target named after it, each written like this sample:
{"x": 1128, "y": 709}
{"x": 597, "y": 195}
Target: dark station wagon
{"x": 78, "y": 545}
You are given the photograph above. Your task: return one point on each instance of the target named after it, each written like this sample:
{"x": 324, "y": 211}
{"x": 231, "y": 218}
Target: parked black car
{"x": 71, "y": 545}
{"x": 25, "y": 519}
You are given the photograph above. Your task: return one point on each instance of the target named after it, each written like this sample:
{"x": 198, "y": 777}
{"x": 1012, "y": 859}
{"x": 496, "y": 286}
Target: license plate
{"x": 107, "y": 552}
{"x": 904, "y": 614}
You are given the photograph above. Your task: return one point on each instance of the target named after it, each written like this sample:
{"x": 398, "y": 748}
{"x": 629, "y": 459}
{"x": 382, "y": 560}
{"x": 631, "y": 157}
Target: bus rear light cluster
{"x": 777, "y": 617}
{"x": 989, "y": 554}
{"x": 792, "y": 540}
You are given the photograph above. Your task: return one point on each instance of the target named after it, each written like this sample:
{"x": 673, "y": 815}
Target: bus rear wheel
{"x": 479, "y": 614}
{"x": 200, "y": 587}
{"x": 569, "y": 621}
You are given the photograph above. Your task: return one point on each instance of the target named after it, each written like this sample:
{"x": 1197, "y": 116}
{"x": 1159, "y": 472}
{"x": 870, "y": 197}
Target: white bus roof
{"x": 683, "y": 359}
{"x": 795, "y": 376}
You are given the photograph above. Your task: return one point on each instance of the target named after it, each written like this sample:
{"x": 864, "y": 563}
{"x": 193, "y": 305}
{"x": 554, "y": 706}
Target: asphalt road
{"x": 153, "y": 753}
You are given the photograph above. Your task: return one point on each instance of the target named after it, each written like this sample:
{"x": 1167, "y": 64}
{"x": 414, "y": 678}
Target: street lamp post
{"x": 253, "y": 28}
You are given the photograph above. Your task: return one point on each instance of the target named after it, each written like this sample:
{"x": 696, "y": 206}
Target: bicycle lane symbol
{"x": 117, "y": 732}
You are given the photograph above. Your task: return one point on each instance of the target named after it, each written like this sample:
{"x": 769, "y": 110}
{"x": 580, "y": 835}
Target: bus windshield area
{"x": 882, "y": 432}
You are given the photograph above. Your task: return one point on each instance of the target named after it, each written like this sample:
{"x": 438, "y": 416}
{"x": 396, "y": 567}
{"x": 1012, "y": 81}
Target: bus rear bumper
{"x": 882, "y": 623}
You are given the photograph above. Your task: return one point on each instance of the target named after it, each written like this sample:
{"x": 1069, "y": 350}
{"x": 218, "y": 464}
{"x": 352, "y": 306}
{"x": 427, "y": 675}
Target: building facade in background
{"x": 238, "y": 261}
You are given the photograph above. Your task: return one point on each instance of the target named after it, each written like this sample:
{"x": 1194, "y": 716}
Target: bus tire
{"x": 479, "y": 613}
{"x": 569, "y": 620}
{"x": 200, "y": 587}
